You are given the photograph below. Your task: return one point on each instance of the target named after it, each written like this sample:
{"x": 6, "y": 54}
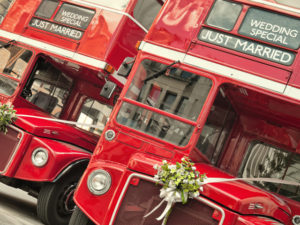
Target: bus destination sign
{"x": 70, "y": 21}
{"x": 271, "y": 27}
{"x": 56, "y": 28}
{"x": 247, "y": 46}
{"x": 74, "y": 16}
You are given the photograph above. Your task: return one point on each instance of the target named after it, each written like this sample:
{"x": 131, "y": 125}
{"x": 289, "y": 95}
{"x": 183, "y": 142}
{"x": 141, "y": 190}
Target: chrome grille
{"x": 141, "y": 198}
{"x": 9, "y": 144}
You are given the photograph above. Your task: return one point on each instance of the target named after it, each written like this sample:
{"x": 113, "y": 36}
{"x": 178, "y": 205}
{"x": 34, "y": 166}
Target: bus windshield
{"x": 172, "y": 90}
{"x": 14, "y": 60}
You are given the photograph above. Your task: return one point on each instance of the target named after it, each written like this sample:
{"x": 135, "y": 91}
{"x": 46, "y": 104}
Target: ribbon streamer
{"x": 171, "y": 195}
{"x": 61, "y": 121}
{"x": 270, "y": 180}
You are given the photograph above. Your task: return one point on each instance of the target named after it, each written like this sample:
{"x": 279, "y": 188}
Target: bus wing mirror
{"x": 125, "y": 67}
{"x": 108, "y": 89}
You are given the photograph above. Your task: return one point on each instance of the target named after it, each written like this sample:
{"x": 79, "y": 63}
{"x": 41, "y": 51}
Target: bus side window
{"x": 216, "y": 129}
{"x": 4, "y": 56}
{"x": 145, "y": 11}
{"x": 48, "y": 88}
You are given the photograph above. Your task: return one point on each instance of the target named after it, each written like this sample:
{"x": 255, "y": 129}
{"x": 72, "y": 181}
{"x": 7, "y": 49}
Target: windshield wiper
{"x": 9, "y": 43}
{"x": 159, "y": 73}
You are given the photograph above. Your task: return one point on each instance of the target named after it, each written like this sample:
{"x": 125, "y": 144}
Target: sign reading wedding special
{"x": 271, "y": 27}
{"x": 247, "y": 46}
{"x": 70, "y": 21}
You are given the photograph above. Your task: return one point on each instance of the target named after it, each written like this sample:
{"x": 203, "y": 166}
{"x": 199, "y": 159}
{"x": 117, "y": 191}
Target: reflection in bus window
{"x": 168, "y": 89}
{"x": 49, "y": 89}
{"x": 292, "y": 3}
{"x": 145, "y": 11}
{"x": 94, "y": 113}
{"x": 171, "y": 88}
{"x": 7, "y": 86}
{"x": 224, "y": 14}
{"x": 116, "y": 4}
{"x": 155, "y": 124}
{"x": 47, "y": 8}
{"x": 267, "y": 161}
{"x": 14, "y": 60}
{"x": 216, "y": 129}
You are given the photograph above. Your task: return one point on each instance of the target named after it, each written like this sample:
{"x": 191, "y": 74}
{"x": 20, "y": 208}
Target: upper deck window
{"x": 224, "y": 14}
{"x": 4, "y": 7}
{"x": 145, "y": 11}
{"x": 172, "y": 90}
{"x": 116, "y": 4}
{"x": 47, "y": 8}
{"x": 292, "y": 3}
{"x": 267, "y": 161}
{"x": 271, "y": 27}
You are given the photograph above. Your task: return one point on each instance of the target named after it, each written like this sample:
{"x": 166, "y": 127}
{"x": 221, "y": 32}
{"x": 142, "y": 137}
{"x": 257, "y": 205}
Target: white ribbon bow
{"x": 171, "y": 196}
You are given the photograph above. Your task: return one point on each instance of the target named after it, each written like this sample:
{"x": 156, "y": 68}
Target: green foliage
{"x": 7, "y": 116}
{"x": 182, "y": 177}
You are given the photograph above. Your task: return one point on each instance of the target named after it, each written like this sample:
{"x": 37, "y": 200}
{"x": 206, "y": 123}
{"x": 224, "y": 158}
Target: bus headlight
{"x": 99, "y": 182}
{"x": 39, "y": 157}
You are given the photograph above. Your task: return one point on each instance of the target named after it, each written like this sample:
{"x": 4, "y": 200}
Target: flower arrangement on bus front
{"x": 7, "y": 116}
{"x": 180, "y": 182}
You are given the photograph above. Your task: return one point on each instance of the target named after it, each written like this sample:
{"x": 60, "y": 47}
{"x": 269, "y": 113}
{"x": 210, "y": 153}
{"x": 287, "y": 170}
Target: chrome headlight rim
{"x": 35, "y": 152}
{"x": 101, "y": 174}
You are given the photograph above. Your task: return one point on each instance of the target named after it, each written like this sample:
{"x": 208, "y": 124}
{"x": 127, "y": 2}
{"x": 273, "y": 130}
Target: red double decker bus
{"x": 57, "y": 62}
{"x": 216, "y": 81}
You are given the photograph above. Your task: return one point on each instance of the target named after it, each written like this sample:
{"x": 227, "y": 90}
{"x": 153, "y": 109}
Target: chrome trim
{"x": 121, "y": 197}
{"x": 112, "y": 10}
{"x": 110, "y": 135}
{"x": 222, "y": 70}
{"x": 16, "y": 148}
{"x": 34, "y": 153}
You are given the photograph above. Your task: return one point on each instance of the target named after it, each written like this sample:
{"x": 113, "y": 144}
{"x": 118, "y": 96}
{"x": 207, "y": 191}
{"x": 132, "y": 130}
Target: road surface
{"x": 16, "y": 207}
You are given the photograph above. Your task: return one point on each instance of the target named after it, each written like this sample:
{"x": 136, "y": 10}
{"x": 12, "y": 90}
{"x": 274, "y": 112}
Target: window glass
{"x": 267, "y": 161}
{"x": 14, "y": 60}
{"x": 7, "y": 86}
{"x": 94, "y": 113}
{"x": 155, "y": 124}
{"x": 47, "y": 8}
{"x": 170, "y": 89}
{"x": 48, "y": 89}
{"x": 4, "y": 6}
{"x": 116, "y": 4}
{"x": 145, "y": 11}
{"x": 224, "y": 14}
{"x": 216, "y": 129}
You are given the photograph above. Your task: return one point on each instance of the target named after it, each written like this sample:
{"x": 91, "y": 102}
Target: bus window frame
{"x": 197, "y": 124}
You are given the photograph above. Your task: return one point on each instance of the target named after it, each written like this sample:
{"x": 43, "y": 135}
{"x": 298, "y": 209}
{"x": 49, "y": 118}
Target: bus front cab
{"x": 230, "y": 129}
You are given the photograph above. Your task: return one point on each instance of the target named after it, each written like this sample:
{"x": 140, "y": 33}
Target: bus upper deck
{"x": 238, "y": 39}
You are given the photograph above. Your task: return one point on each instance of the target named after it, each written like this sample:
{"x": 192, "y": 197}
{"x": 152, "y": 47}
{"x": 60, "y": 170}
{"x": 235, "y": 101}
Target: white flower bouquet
{"x": 7, "y": 116}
